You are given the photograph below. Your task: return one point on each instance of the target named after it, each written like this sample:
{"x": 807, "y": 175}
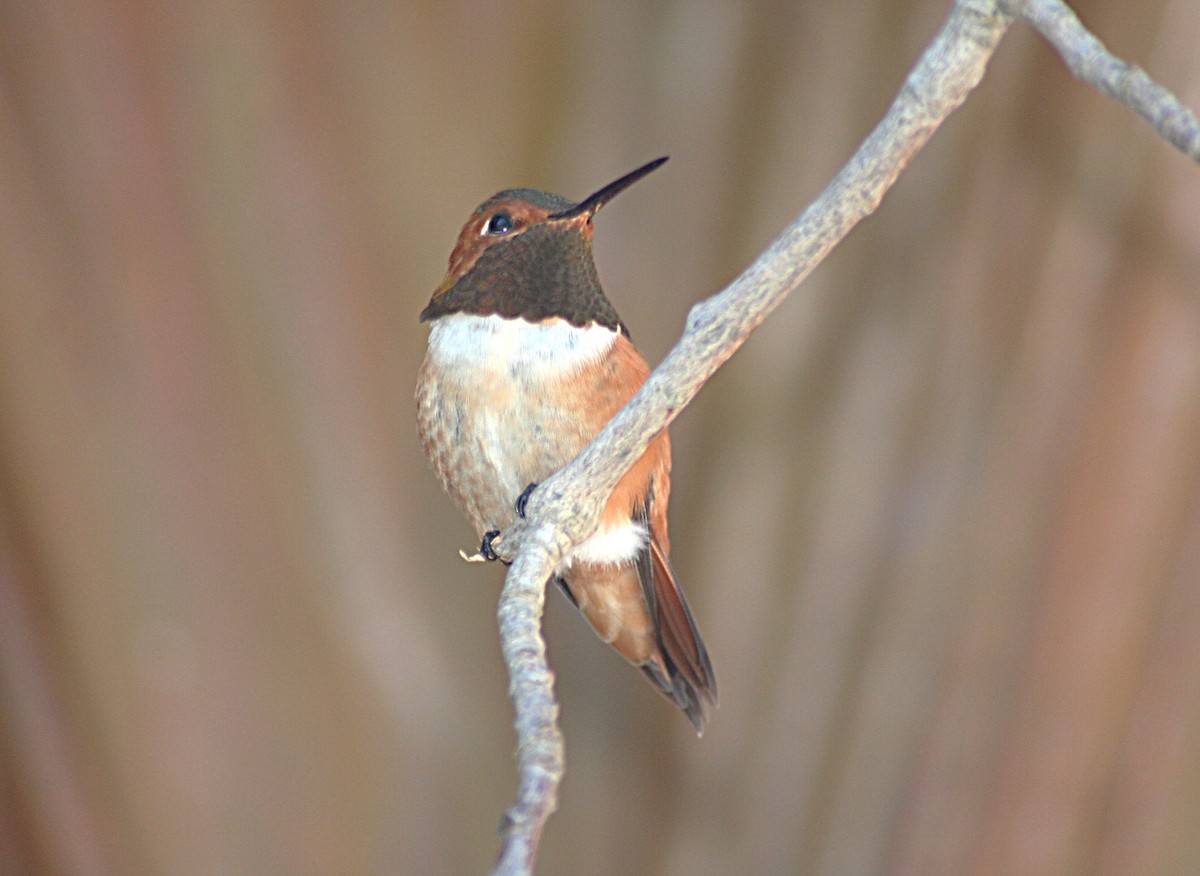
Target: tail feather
{"x": 681, "y": 670}
{"x": 641, "y": 613}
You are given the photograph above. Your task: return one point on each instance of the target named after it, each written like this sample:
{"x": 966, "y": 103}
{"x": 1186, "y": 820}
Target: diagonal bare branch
{"x": 565, "y": 508}
{"x": 1091, "y": 62}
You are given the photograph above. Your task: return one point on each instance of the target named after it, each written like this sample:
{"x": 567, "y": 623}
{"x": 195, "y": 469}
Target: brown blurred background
{"x": 940, "y": 519}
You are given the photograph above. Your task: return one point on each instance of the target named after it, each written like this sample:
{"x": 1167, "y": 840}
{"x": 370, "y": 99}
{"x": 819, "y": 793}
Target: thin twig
{"x": 565, "y": 508}
{"x": 1092, "y": 63}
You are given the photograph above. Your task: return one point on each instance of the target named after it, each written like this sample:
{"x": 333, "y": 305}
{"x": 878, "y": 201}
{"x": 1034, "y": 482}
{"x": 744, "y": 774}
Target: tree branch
{"x": 565, "y": 508}
{"x": 1091, "y": 62}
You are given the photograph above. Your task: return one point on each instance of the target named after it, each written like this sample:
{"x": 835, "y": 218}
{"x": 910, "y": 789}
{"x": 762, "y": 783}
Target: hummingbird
{"x": 527, "y": 361}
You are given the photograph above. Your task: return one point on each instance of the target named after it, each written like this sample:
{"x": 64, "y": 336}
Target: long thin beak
{"x": 593, "y": 202}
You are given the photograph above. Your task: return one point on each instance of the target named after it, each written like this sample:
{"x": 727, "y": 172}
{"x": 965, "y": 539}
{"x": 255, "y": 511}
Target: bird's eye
{"x": 500, "y": 223}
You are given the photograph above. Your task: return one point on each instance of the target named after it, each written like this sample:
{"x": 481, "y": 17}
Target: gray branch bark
{"x": 1091, "y": 62}
{"x": 565, "y": 508}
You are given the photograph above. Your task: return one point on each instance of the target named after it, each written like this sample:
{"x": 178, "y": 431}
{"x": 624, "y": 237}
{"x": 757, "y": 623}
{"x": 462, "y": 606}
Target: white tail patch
{"x": 611, "y": 545}
{"x": 542, "y": 350}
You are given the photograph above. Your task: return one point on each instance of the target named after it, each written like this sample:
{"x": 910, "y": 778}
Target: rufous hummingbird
{"x": 527, "y": 361}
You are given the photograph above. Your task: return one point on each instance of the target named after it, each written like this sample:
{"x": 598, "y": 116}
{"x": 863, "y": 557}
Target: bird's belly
{"x": 496, "y": 410}
{"x": 507, "y": 445}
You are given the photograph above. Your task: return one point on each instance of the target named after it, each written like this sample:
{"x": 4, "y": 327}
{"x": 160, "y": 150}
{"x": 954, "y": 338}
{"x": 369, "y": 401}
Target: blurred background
{"x": 939, "y": 519}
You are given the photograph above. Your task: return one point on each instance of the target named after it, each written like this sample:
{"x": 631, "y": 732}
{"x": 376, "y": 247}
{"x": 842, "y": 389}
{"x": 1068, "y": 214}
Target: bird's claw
{"x": 523, "y": 500}
{"x": 486, "y": 552}
{"x": 485, "y": 547}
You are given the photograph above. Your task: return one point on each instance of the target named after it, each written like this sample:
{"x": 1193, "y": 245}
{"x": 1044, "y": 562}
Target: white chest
{"x": 467, "y": 344}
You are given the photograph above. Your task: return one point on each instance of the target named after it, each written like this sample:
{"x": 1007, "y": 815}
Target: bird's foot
{"x": 523, "y": 500}
{"x": 486, "y": 553}
{"x": 485, "y": 547}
